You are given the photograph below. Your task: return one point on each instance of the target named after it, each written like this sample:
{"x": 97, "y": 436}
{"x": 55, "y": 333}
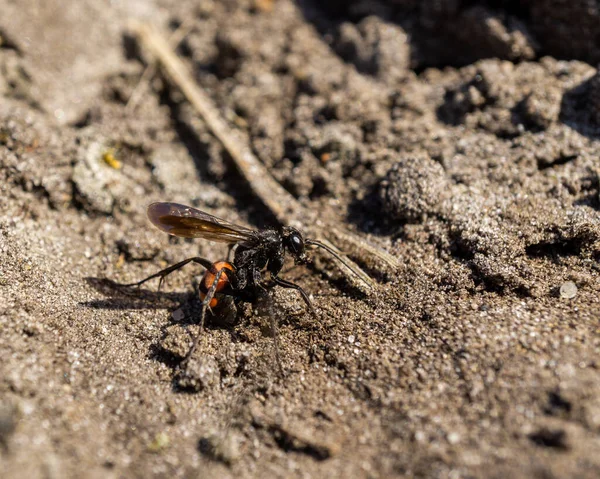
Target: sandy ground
{"x": 464, "y": 141}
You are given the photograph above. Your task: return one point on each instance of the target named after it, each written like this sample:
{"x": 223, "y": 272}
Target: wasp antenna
{"x": 360, "y": 274}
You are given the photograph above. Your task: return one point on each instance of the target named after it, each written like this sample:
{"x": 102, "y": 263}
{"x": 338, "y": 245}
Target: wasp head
{"x": 293, "y": 241}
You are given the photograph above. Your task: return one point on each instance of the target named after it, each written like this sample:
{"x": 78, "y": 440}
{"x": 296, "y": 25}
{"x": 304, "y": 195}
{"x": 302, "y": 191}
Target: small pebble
{"x": 178, "y": 315}
{"x": 160, "y": 442}
{"x": 568, "y": 290}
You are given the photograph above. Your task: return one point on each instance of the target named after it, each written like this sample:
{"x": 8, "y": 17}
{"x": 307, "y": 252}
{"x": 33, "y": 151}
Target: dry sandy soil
{"x": 460, "y": 137}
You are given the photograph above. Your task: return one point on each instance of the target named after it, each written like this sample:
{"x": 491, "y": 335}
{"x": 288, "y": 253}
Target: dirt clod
{"x": 222, "y": 446}
{"x": 198, "y": 374}
{"x": 413, "y": 188}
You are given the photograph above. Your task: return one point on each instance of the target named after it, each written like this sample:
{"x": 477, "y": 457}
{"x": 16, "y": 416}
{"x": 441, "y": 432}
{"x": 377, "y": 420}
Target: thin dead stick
{"x": 283, "y": 206}
{"x": 174, "y": 40}
{"x": 262, "y": 183}
{"x": 140, "y": 87}
{"x": 343, "y": 259}
{"x": 347, "y": 241}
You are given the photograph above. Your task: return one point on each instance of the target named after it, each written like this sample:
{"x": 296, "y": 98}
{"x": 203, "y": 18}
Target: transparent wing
{"x": 188, "y": 222}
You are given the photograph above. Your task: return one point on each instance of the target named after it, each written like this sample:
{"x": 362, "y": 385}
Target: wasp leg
{"x": 205, "y": 305}
{"x": 257, "y": 279}
{"x": 288, "y": 284}
{"x": 167, "y": 271}
{"x": 231, "y": 249}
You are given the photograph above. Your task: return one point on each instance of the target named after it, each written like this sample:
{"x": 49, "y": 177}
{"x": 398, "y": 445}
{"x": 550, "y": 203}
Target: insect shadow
{"x": 188, "y": 305}
{"x": 118, "y": 296}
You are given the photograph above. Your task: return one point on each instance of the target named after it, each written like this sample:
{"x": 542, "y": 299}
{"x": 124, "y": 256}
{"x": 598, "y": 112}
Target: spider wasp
{"x": 226, "y": 283}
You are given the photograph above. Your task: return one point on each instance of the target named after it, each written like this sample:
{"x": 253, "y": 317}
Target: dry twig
{"x": 174, "y": 40}
{"x": 284, "y": 207}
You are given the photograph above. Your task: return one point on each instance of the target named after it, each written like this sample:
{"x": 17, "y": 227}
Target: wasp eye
{"x": 296, "y": 244}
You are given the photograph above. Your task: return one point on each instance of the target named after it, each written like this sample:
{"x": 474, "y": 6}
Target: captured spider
{"x": 225, "y": 283}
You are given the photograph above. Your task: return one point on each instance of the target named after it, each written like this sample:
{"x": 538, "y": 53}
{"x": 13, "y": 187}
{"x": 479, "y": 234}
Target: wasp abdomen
{"x": 209, "y": 279}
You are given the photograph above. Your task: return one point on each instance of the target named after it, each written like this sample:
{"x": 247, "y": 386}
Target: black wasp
{"x": 225, "y": 283}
